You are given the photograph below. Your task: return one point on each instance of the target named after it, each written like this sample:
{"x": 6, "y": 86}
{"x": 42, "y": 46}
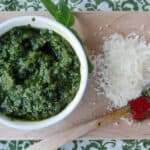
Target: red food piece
{"x": 140, "y": 108}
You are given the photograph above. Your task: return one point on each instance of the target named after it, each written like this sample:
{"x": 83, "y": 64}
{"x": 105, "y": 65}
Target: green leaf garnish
{"x": 51, "y": 7}
{"x": 60, "y": 12}
{"x": 64, "y": 15}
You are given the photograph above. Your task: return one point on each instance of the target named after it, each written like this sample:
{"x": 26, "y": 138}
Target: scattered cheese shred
{"x": 123, "y": 70}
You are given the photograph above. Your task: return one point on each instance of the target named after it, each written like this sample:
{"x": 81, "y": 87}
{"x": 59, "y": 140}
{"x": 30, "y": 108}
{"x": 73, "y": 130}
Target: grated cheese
{"x": 123, "y": 70}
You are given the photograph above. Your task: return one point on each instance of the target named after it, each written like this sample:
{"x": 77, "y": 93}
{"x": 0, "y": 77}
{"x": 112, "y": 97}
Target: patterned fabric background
{"x": 78, "y": 5}
{"x": 109, "y": 5}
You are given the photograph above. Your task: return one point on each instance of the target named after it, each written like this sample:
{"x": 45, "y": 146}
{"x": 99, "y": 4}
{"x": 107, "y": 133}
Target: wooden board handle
{"x": 58, "y": 139}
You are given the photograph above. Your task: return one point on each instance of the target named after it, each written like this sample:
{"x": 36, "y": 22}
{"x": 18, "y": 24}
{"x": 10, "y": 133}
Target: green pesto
{"x": 39, "y": 73}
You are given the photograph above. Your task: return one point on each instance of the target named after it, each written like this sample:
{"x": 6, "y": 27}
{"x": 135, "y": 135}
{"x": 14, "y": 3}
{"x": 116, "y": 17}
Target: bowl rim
{"x": 80, "y": 52}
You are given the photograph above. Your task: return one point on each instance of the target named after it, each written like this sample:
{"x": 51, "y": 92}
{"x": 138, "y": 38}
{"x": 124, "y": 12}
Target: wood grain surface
{"x": 92, "y": 26}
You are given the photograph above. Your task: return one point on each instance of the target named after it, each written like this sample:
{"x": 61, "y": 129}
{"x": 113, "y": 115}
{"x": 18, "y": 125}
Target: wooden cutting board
{"x": 92, "y": 26}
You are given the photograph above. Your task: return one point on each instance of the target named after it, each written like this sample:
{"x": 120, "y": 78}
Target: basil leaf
{"x": 51, "y": 7}
{"x": 60, "y": 12}
{"x": 64, "y": 15}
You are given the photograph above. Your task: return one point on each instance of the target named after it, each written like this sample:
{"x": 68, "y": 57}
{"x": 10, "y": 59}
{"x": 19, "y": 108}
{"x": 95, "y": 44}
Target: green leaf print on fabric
{"x": 129, "y": 5}
{"x": 77, "y": 2}
{"x": 132, "y": 144}
{"x": 82, "y": 5}
{"x": 91, "y": 145}
{"x": 146, "y": 5}
{"x": 17, "y": 5}
{"x": 103, "y": 3}
{"x": 15, "y": 145}
{"x": 99, "y": 144}
{"x": 75, "y": 143}
{"x": 10, "y": 4}
{"x": 146, "y": 144}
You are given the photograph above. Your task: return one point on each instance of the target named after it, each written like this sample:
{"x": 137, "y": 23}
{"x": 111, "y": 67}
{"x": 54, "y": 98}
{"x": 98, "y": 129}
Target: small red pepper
{"x": 140, "y": 108}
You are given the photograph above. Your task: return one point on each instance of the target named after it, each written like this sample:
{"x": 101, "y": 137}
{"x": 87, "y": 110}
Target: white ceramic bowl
{"x": 43, "y": 22}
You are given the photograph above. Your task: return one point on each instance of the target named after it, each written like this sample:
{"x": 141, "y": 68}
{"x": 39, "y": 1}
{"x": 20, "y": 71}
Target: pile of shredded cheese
{"x": 123, "y": 70}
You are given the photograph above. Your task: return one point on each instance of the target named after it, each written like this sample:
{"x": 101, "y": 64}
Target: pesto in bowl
{"x": 39, "y": 73}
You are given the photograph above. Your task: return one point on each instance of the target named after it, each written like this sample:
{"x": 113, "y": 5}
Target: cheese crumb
{"x": 116, "y": 123}
{"x": 123, "y": 70}
{"x": 100, "y": 28}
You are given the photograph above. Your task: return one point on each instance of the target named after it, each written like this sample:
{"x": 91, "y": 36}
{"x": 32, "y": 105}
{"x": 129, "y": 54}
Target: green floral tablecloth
{"x": 29, "y": 5}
